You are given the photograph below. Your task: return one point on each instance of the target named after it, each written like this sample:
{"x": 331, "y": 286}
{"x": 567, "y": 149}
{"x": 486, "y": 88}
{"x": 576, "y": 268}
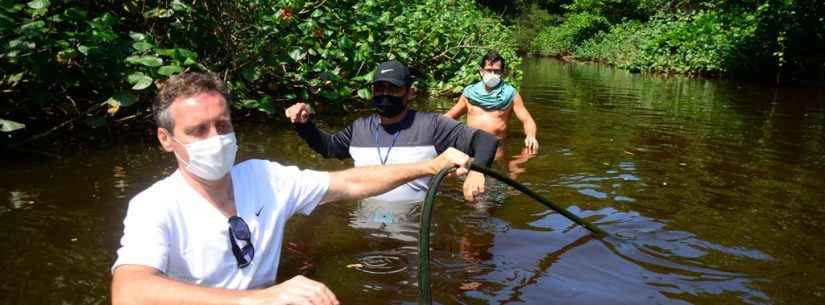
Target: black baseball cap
{"x": 392, "y": 72}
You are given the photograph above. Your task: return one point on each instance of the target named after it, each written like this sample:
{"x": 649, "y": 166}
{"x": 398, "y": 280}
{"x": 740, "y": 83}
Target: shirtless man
{"x": 490, "y": 102}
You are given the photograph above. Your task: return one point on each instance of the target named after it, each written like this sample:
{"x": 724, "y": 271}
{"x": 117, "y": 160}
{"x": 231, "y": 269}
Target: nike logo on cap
{"x": 386, "y": 70}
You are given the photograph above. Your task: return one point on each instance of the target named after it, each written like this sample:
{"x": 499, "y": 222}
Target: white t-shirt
{"x": 172, "y": 228}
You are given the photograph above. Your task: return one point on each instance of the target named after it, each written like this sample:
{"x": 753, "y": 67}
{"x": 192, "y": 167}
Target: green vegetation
{"x": 771, "y": 39}
{"x": 100, "y": 62}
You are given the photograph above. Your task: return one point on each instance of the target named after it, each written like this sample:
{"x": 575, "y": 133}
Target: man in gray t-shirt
{"x": 396, "y": 134}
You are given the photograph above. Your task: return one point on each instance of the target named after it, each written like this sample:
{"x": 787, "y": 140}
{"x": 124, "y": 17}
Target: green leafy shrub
{"x": 620, "y": 46}
{"x": 100, "y": 61}
{"x": 762, "y": 39}
{"x": 706, "y": 42}
{"x": 563, "y": 39}
{"x": 531, "y": 23}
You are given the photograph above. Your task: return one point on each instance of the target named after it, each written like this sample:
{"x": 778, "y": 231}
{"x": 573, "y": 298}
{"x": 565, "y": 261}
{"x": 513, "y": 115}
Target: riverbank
{"x": 767, "y": 41}
{"x": 97, "y": 65}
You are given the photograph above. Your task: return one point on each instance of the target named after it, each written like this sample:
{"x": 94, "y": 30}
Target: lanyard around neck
{"x": 378, "y": 143}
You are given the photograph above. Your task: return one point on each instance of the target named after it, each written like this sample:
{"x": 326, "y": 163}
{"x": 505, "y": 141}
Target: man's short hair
{"x": 493, "y": 57}
{"x": 184, "y": 85}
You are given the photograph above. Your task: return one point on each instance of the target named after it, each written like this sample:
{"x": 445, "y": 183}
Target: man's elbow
{"x": 126, "y": 283}
{"x": 484, "y": 147}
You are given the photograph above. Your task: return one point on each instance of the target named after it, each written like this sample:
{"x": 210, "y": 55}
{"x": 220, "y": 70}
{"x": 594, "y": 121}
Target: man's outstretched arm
{"x": 527, "y": 122}
{"x": 458, "y": 109}
{"x": 334, "y": 145}
{"x": 136, "y": 284}
{"x": 366, "y": 181}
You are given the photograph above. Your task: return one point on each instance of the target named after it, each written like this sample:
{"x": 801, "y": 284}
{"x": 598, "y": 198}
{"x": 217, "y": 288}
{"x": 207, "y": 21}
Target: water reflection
{"x": 554, "y": 259}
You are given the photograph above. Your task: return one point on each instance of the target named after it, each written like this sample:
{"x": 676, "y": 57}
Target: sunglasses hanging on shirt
{"x": 239, "y": 232}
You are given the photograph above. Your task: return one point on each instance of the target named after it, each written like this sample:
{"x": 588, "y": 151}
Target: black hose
{"x": 424, "y": 290}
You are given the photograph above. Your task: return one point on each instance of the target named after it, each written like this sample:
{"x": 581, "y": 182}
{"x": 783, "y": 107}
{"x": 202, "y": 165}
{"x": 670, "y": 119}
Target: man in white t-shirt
{"x": 211, "y": 232}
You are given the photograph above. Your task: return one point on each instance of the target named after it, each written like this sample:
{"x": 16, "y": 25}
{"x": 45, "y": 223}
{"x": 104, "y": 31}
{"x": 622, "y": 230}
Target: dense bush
{"x": 99, "y": 61}
{"x": 718, "y": 37}
{"x": 563, "y": 39}
{"x": 706, "y": 41}
{"x": 532, "y": 21}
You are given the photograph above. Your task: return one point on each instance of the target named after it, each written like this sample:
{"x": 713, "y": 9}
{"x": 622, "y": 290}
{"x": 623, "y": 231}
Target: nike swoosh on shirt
{"x": 258, "y": 213}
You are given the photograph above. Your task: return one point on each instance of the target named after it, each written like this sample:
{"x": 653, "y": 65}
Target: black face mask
{"x": 388, "y": 106}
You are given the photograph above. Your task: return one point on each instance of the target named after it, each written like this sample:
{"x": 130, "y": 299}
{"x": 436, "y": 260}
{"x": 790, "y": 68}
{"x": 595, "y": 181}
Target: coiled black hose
{"x": 424, "y": 290}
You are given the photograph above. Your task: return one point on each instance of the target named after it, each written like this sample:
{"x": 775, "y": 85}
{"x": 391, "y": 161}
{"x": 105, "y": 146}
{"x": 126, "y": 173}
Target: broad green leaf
{"x": 169, "y": 70}
{"x": 34, "y": 25}
{"x": 178, "y": 5}
{"x": 143, "y": 83}
{"x": 83, "y": 49}
{"x": 14, "y": 78}
{"x": 166, "y": 52}
{"x": 364, "y": 94}
{"x": 146, "y": 60}
{"x": 38, "y": 4}
{"x": 141, "y": 46}
{"x": 9, "y": 126}
{"x": 137, "y": 36}
{"x": 297, "y": 54}
{"x": 188, "y": 54}
{"x": 139, "y": 80}
{"x": 134, "y": 77}
{"x": 122, "y": 99}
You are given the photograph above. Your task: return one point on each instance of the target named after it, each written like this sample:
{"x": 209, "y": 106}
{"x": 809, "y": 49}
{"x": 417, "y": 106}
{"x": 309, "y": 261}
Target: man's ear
{"x": 410, "y": 95}
{"x": 165, "y": 139}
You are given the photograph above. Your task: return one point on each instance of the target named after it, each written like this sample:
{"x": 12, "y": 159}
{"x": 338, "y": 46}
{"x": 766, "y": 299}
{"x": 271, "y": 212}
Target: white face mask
{"x": 212, "y": 158}
{"x": 491, "y": 79}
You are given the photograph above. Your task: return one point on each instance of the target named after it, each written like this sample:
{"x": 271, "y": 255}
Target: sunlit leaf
{"x": 33, "y": 26}
{"x": 169, "y": 70}
{"x": 141, "y": 46}
{"x": 9, "y": 126}
{"x": 297, "y": 54}
{"x": 146, "y": 60}
{"x": 113, "y": 108}
{"x": 187, "y": 54}
{"x": 158, "y": 13}
{"x": 178, "y": 5}
{"x": 139, "y": 80}
{"x": 143, "y": 83}
{"x": 38, "y": 4}
{"x": 137, "y": 36}
{"x": 83, "y": 49}
{"x": 364, "y": 94}
{"x": 123, "y": 99}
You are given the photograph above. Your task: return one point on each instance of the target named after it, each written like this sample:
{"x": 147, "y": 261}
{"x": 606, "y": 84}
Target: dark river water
{"x": 715, "y": 190}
